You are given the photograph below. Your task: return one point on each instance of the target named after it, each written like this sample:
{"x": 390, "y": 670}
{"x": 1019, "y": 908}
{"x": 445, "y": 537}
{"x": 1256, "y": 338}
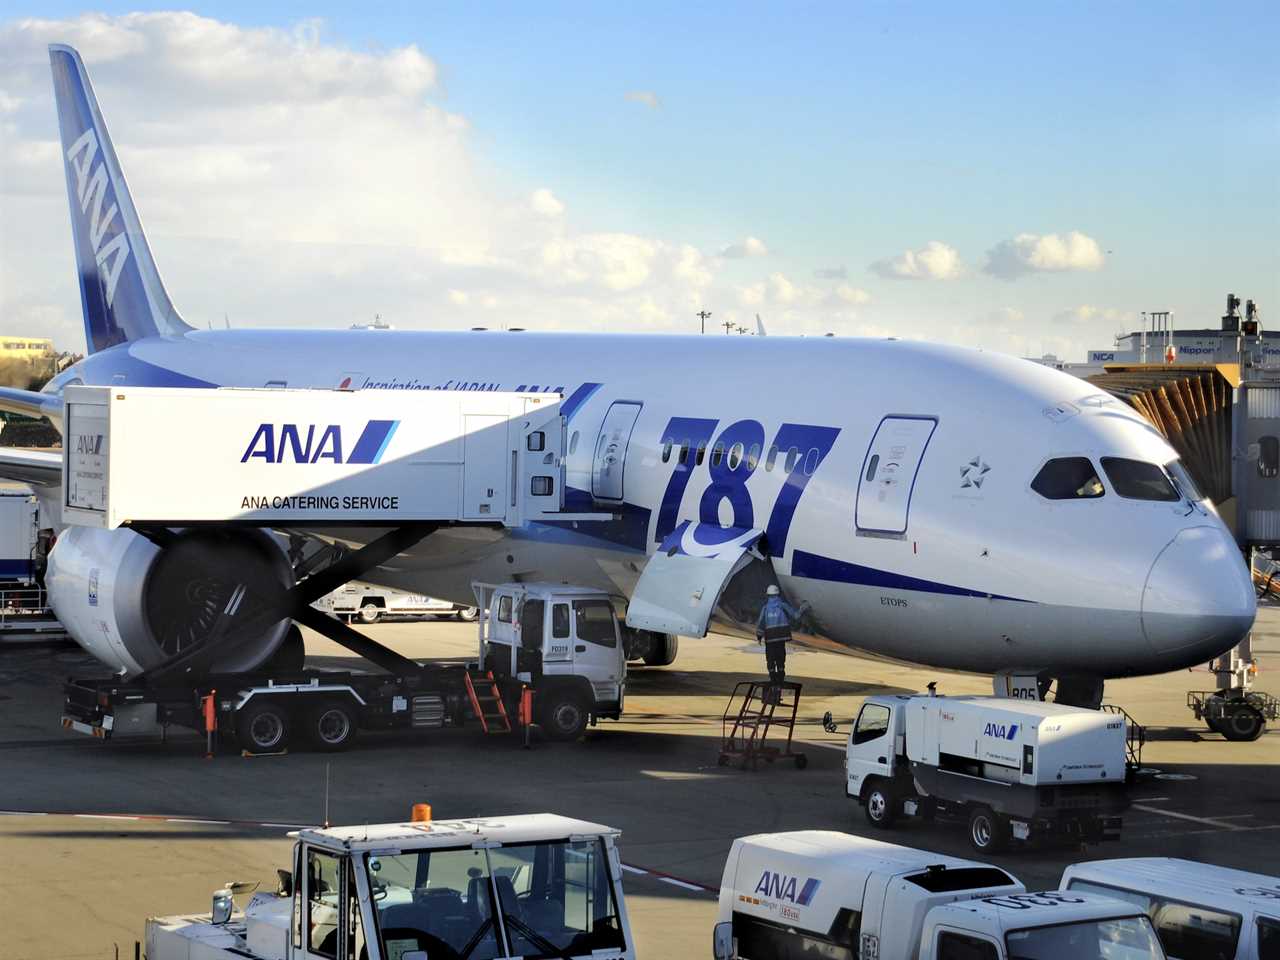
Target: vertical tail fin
{"x": 120, "y": 288}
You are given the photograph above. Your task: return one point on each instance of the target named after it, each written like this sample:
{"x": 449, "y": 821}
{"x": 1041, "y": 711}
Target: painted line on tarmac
{"x": 154, "y": 818}
{"x": 1207, "y": 821}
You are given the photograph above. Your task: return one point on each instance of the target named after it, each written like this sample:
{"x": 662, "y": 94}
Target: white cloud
{"x": 545, "y": 203}
{"x": 1088, "y": 314}
{"x": 644, "y": 97}
{"x": 854, "y": 295}
{"x": 934, "y": 261}
{"x": 831, "y": 273}
{"x": 746, "y": 247}
{"x": 1043, "y": 253}
{"x": 288, "y": 180}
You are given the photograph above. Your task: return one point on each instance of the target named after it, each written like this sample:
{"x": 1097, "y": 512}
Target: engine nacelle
{"x": 133, "y": 605}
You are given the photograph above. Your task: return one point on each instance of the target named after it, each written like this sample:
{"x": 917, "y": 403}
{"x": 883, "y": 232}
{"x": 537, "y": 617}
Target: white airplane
{"x": 944, "y": 506}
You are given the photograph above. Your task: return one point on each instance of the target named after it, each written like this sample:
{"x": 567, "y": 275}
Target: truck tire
{"x": 662, "y": 650}
{"x": 880, "y": 803}
{"x": 332, "y": 724}
{"x": 467, "y": 614}
{"x": 263, "y": 726}
{"x": 1241, "y": 723}
{"x": 370, "y": 613}
{"x": 564, "y": 716}
{"x": 988, "y": 831}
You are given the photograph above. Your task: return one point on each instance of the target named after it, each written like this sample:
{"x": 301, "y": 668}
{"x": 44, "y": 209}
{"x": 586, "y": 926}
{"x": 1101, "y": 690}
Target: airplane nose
{"x": 1198, "y": 601}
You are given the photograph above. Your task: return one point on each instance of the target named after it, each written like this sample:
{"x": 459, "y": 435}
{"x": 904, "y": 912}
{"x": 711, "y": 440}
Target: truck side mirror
{"x": 722, "y": 941}
{"x": 284, "y": 883}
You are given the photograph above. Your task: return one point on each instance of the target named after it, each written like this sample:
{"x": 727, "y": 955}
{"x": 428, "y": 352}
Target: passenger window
{"x": 753, "y": 457}
{"x": 811, "y": 462}
{"x": 871, "y": 467}
{"x": 717, "y": 454}
{"x": 560, "y": 621}
{"x": 322, "y": 903}
{"x": 594, "y": 622}
{"x": 1268, "y": 939}
{"x": 702, "y": 454}
{"x": 504, "y": 609}
{"x": 735, "y": 456}
{"x": 793, "y": 455}
{"x": 573, "y": 442}
{"x": 1268, "y": 457}
{"x": 684, "y": 453}
{"x": 960, "y": 946}
{"x": 769, "y": 460}
{"x": 873, "y": 721}
{"x": 1136, "y": 480}
{"x": 666, "y": 451}
{"x": 1068, "y": 478}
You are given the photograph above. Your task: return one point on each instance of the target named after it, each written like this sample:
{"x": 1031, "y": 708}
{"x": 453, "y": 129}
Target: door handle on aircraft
{"x": 580, "y": 648}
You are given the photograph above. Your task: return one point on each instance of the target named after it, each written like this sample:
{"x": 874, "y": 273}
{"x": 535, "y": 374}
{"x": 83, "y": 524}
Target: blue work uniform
{"x": 774, "y": 627}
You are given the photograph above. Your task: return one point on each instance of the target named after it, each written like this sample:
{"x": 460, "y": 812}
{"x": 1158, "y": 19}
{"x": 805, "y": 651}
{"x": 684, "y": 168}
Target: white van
{"x": 1201, "y": 912}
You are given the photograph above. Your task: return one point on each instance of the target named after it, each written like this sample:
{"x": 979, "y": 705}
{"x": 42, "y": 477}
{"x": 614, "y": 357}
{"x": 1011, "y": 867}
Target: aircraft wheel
{"x": 1242, "y": 723}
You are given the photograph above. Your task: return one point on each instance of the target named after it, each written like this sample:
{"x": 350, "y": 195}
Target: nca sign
{"x": 313, "y": 442}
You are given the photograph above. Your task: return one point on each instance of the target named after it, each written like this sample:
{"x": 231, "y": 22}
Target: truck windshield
{"x": 554, "y": 900}
{"x": 1123, "y": 938}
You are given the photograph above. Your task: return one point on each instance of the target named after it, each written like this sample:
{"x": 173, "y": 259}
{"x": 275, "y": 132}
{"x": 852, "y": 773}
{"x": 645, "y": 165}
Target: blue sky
{"x": 842, "y": 135}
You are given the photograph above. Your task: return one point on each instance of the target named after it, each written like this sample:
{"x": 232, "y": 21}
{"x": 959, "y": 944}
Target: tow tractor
{"x": 548, "y": 654}
{"x": 524, "y": 886}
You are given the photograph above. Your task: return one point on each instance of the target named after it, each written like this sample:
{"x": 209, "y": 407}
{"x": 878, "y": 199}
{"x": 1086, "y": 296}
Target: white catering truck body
{"x": 1199, "y": 910}
{"x": 814, "y": 893}
{"x": 19, "y": 535}
{"x": 537, "y": 885}
{"x": 1015, "y": 768}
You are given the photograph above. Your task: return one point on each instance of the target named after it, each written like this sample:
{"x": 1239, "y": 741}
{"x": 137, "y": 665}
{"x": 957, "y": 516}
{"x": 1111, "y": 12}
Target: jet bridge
{"x": 178, "y": 457}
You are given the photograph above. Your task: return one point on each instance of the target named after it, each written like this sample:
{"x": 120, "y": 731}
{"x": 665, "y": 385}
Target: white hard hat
{"x": 773, "y": 590}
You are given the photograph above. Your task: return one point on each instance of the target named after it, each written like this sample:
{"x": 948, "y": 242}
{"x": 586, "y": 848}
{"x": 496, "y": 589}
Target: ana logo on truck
{"x": 311, "y": 443}
{"x": 1001, "y": 731}
{"x": 89, "y": 443}
{"x": 779, "y": 886}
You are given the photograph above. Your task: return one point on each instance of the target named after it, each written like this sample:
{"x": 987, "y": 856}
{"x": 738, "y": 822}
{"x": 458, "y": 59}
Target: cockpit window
{"x": 1181, "y": 477}
{"x": 1137, "y": 480}
{"x": 1068, "y": 478}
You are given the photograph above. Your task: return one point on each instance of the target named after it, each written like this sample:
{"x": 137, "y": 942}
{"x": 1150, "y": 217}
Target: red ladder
{"x": 488, "y": 706}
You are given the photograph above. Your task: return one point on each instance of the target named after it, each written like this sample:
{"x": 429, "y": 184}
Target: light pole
{"x": 704, "y": 315}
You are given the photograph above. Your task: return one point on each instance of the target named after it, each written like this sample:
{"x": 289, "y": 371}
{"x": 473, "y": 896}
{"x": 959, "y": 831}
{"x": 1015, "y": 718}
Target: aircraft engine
{"x": 133, "y": 605}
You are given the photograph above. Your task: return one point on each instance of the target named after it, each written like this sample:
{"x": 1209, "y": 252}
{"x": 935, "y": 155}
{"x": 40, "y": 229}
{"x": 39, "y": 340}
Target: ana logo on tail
{"x": 91, "y": 188}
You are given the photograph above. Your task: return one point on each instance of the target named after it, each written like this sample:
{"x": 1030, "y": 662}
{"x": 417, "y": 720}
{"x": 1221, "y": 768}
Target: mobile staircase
{"x": 755, "y": 707}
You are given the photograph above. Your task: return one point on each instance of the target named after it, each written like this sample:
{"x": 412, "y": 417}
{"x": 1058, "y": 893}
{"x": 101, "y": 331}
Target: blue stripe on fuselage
{"x": 576, "y": 399}
{"x": 812, "y": 566}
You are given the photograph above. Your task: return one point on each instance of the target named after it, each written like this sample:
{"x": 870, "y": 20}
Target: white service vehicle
{"x": 528, "y": 886}
{"x": 817, "y": 893}
{"x": 1012, "y": 768}
{"x": 1199, "y": 910}
{"x": 369, "y": 603}
{"x": 19, "y": 537}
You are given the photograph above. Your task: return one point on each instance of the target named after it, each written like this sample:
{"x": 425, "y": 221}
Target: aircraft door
{"x": 889, "y": 474}
{"x": 611, "y": 450}
{"x": 484, "y": 470}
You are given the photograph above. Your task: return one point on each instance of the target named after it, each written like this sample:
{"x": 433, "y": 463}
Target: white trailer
{"x": 1014, "y": 769}
{"x": 499, "y": 887}
{"x": 1198, "y": 909}
{"x": 19, "y": 538}
{"x": 816, "y": 893}
{"x": 274, "y": 457}
{"x": 369, "y": 603}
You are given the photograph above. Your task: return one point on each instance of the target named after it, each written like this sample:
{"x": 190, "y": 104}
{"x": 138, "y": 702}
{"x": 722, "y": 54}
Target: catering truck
{"x": 1198, "y": 909}
{"x": 817, "y": 893}
{"x": 524, "y": 886}
{"x": 1013, "y": 769}
{"x": 369, "y": 603}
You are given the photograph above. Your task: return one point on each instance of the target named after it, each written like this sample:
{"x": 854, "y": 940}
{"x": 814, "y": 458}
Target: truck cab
{"x": 507, "y": 887}
{"x": 565, "y": 641}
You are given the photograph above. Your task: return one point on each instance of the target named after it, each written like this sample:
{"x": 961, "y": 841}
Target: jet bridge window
{"x": 1136, "y": 480}
{"x": 1068, "y": 478}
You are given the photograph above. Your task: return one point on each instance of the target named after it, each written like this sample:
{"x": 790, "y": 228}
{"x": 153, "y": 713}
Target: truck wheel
{"x": 662, "y": 650}
{"x": 988, "y": 831}
{"x": 1241, "y": 723}
{"x": 565, "y": 717}
{"x": 881, "y": 806}
{"x": 468, "y": 614}
{"x": 370, "y": 613}
{"x": 263, "y": 726}
{"x": 332, "y": 724}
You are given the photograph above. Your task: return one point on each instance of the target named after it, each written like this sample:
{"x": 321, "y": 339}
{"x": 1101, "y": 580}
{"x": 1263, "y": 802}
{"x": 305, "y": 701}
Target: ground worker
{"x": 774, "y": 627}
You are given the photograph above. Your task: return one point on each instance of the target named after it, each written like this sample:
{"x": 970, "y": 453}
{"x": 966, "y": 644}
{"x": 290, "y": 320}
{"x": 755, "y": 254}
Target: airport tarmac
{"x": 99, "y": 835}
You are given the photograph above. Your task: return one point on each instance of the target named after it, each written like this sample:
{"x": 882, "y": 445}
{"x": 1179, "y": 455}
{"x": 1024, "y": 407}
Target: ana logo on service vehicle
{"x": 779, "y": 886}
{"x": 1000, "y": 731}
{"x": 91, "y": 188}
{"x": 90, "y": 443}
{"x": 311, "y": 443}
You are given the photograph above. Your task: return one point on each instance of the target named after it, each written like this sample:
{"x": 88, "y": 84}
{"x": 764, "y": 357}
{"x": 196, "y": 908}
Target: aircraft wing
{"x": 38, "y": 467}
{"x": 31, "y": 403}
